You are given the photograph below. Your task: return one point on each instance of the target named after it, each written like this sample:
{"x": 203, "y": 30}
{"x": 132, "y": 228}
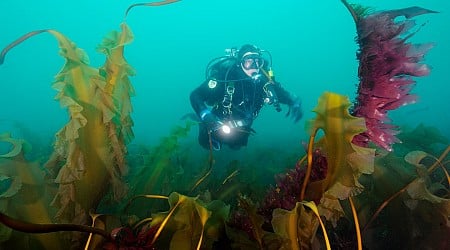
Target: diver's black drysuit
{"x": 232, "y": 96}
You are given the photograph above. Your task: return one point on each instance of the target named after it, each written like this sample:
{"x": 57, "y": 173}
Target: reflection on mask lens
{"x": 252, "y": 62}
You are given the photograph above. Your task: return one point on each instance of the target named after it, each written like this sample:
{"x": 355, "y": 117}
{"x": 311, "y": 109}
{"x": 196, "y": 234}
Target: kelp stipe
{"x": 17, "y": 42}
{"x": 41, "y": 228}
{"x": 164, "y": 2}
{"x": 210, "y": 165}
{"x": 189, "y": 224}
{"x": 387, "y": 65}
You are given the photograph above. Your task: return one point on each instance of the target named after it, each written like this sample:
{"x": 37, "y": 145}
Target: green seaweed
{"x": 161, "y": 164}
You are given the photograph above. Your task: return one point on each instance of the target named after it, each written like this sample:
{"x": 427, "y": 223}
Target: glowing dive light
{"x": 226, "y": 129}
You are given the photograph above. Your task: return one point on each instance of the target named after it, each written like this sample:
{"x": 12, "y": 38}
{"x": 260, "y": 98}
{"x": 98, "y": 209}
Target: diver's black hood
{"x": 247, "y": 48}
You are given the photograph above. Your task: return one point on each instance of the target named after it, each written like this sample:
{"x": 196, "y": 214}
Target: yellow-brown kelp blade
{"x": 91, "y": 146}
{"x": 189, "y": 216}
{"x": 346, "y": 161}
{"x": 93, "y": 142}
{"x": 25, "y": 197}
{"x": 297, "y": 226}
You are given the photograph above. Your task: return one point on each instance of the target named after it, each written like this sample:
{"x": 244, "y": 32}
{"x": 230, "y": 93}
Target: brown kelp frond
{"x": 334, "y": 161}
{"x": 313, "y": 207}
{"x": 17, "y": 145}
{"x": 166, "y": 218}
{"x": 440, "y": 159}
{"x": 115, "y": 102}
{"x": 298, "y": 226}
{"x": 189, "y": 220}
{"x": 164, "y": 2}
{"x": 417, "y": 188}
{"x": 117, "y": 89}
{"x": 84, "y": 143}
{"x": 11, "y": 186}
{"x": 415, "y": 158}
{"x": 188, "y": 224}
{"x": 11, "y": 182}
{"x": 27, "y": 227}
{"x": 99, "y": 107}
{"x": 346, "y": 161}
{"x": 23, "y": 195}
{"x": 16, "y": 170}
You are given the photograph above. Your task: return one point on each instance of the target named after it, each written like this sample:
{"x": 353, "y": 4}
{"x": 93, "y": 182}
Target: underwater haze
{"x": 312, "y": 44}
{"x": 90, "y": 129}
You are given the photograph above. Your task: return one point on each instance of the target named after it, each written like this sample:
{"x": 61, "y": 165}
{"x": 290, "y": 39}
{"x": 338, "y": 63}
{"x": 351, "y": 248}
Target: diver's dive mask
{"x": 252, "y": 60}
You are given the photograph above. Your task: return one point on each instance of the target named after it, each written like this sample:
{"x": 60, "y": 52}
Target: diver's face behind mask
{"x": 251, "y": 62}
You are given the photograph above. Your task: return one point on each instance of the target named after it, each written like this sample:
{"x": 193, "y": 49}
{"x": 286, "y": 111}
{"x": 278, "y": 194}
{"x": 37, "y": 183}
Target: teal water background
{"x": 312, "y": 44}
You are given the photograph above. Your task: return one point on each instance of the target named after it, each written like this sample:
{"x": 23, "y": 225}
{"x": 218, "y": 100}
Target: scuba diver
{"x": 237, "y": 86}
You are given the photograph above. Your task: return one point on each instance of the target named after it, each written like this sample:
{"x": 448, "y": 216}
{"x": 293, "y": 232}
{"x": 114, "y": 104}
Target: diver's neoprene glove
{"x": 295, "y": 111}
{"x": 211, "y": 121}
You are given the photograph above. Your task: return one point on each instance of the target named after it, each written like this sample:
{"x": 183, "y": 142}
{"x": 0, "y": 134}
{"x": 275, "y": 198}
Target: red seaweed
{"x": 387, "y": 65}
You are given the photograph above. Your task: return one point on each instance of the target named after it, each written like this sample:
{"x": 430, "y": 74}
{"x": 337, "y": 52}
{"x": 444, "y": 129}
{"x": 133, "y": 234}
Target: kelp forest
{"x": 355, "y": 186}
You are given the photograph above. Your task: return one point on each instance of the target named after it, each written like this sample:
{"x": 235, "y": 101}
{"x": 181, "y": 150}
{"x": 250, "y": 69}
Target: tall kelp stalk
{"x": 387, "y": 65}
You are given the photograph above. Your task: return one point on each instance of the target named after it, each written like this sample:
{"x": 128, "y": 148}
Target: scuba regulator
{"x": 271, "y": 95}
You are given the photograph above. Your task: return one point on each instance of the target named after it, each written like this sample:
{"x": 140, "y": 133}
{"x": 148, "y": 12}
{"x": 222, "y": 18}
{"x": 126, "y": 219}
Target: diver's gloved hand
{"x": 211, "y": 121}
{"x": 295, "y": 111}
